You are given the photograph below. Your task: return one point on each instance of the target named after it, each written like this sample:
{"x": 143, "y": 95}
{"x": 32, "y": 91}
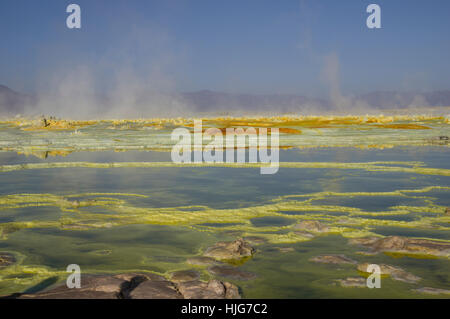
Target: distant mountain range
{"x": 391, "y": 99}
{"x": 12, "y": 103}
{"x": 283, "y": 103}
{"x": 210, "y": 101}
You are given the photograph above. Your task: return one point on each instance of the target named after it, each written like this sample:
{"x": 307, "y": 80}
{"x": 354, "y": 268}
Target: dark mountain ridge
{"x": 206, "y": 101}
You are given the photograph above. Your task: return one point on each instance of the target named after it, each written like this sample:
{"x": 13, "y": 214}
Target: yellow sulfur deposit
{"x": 117, "y": 210}
{"x": 371, "y": 166}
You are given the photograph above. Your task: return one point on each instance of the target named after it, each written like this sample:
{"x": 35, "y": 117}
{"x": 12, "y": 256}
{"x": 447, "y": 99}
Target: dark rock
{"x": 255, "y": 240}
{"x": 140, "y": 286}
{"x": 357, "y": 282}
{"x": 155, "y": 290}
{"x": 230, "y": 250}
{"x": 285, "y": 249}
{"x": 146, "y": 276}
{"x": 304, "y": 234}
{"x": 231, "y": 272}
{"x": 439, "y": 140}
{"x": 395, "y": 273}
{"x": 390, "y": 243}
{"x": 312, "y": 226}
{"x": 184, "y": 275}
{"x": 364, "y": 241}
{"x": 92, "y": 287}
{"x": 214, "y": 289}
{"x": 432, "y": 291}
{"x": 133, "y": 280}
{"x": 405, "y": 245}
{"x": 6, "y": 259}
{"x": 231, "y": 291}
{"x": 201, "y": 261}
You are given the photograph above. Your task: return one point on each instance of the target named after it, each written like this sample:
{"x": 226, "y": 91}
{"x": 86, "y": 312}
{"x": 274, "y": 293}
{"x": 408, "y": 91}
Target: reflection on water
{"x": 111, "y": 220}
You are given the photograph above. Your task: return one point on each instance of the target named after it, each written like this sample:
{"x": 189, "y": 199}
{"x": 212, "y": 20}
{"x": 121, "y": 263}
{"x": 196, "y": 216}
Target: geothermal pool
{"x": 105, "y": 195}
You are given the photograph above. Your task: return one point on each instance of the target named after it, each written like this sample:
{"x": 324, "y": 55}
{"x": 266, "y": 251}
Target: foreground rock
{"x": 231, "y": 272}
{"x": 6, "y": 259}
{"x": 214, "y": 289}
{"x": 432, "y": 291}
{"x": 333, "y": 259}
{"x": 404, "y": 245}
{"x": 312, "y": 226}
{"x": 233, "y": 250}
{"x": 141, "y": 286}
{"x": 155, "y": 290}
{"x": 395, "y": 273}
{"x": 351, "y": 282}
{"x": 92, "y": 287}
{"x": 184, "y": 275}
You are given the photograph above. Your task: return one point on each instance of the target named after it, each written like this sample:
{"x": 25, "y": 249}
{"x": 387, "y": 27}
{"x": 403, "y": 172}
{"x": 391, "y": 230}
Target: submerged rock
{"x": 139, "y": 286}
{"x": 365, "y": 253}
{"x": 184, "y": 275}
{"x": 405, "y": 245}
{"x": 364, "y": 241}
{"x": 6, "y": 259}
{"x": 333, "y": 259}
{"x": 303, "y": 234}
{"x": 231, "y": 272}
{"x": 349, "y": 282}
{"x": 312, "y": 226}
{"x": 395, "y": 273}
{"x": 432, "y": 291}
{"x": 255, "y": 240}
{"x": 285, "y": 249}
{"x": 440, "y": 140}
{"x": 230, "y": 250}
{"x": 75, "y": 203}
{"x": 201, "y": 261}
{"x": 101, "y": 252}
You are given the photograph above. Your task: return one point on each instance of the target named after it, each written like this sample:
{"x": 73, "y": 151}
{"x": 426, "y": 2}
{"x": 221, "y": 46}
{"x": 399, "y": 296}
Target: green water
{"x": 110, "y": 229}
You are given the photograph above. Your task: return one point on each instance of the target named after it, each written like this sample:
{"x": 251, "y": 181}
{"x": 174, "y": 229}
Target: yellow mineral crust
{"x": 404, "y": 126}
{"x": 49, "y": 124}
{"x": 415, "y": 121}
{"x": 351, "y": 222}
{"x": 45, "y": 154}
{"x": 54, "y": 137}
{"x": 370, "y": 166}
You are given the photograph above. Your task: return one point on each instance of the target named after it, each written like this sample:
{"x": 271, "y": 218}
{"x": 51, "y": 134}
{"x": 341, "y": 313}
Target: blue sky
{"x": 234, "y": 46}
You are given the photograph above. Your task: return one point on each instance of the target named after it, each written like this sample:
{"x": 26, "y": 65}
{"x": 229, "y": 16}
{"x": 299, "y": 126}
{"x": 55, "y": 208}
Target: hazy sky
{"x": 236, "y": 46}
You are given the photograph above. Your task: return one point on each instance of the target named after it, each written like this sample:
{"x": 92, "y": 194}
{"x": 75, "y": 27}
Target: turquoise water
{"x": 115, "y": 231}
